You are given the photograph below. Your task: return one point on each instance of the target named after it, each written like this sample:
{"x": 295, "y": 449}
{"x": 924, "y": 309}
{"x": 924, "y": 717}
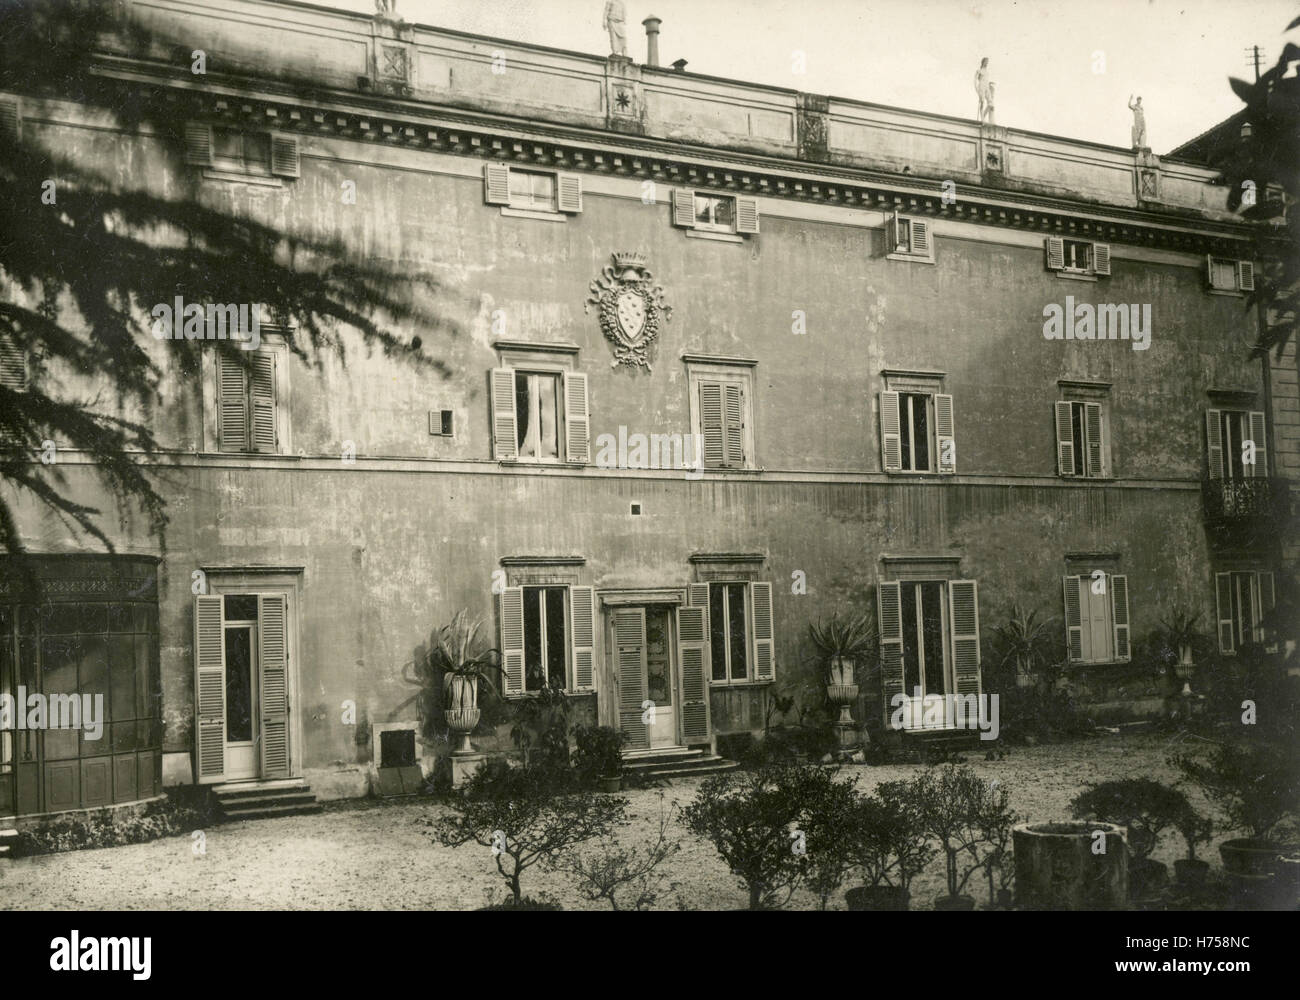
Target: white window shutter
{"x": 11, "y": 120}
{"x": 733, "y": 416}
{"x": 964, "y": 611}
{"x": 1209, "y": 270}
{"x": 1064, "y": 439}
{"x": 1119, "y": 614}
{"x": 712, "y": 428}
{"x": 582, "y": 612}
{"x": 198, "y": 144}
{"x": 209, "y": 687}
{"x": 232, "y": 404}
{"x": 630, "y": 651}
{"x": 891, "y": 441}
{"x": 1214, "y": 444}
{"x": 684, "y": 208}
{"x": 1073, "y": 617}
{"x": 1055, "y": 253}
{"x": 1266, "y": 600}
{"x": 512, "y": 639}
{"x": 1258, "y": 433}
{"x": 1223, "y": 604}
{"x": 889, "y": 615}
{"x": 505, "y": 440}
{"x": 577, "y": 421}
{"x": 1246, "y": 275}
{"x": 921, "y": 238}
{"x": 273, "y": 667}
{"x": 568, "y": 193}
{"x": 1092, "y": 420}
{"x": 13, "y": 364}
{"x": 693, "y": 656}
{"x": 496, "y": 183}
{"x": 265, "y": 437}
{"x": 285, "y": 161}
{"x": 764, "y": 641}
{"x": 891, "y": 234}
{"x": 945, "y": 426}
{"x": 1101, "y": 258}
{"x": 747, "y": 215}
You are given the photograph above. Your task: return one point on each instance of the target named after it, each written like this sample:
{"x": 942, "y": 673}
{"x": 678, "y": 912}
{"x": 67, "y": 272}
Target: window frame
{"x": 1255, "y": 629}
{"x": 1069, "y": 242}
{"x": 714, "y": 227}
{"x": 918, "y": 637}
{"x": 907, "y": 433}
{"x": 241, "y": 165}
{"x": 565, "y": 640}
{"x": 728, "y": 640}
{"x": 1082, "y": 578}
{"x": 273, "y": 341}
{"x": 894, "y": 244}
{"x": 557, "y": 375}
{"x": 737, "y": 374}
{"x": 551, "y": 207}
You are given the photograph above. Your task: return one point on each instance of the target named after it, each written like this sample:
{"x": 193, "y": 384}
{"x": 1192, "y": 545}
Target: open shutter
{"x": 733, "y": 415}
{"x": 232, "y": 404}
{"x": 577, "y": 422}
{"x": 1092, "y": 420}
{"x": 496, "y": 184}
{"x": 1073, "y": 617}
{"x": 683, "y": 208}
{"x": 505, "y": 440}
{"x": 263, "y": 401}
{"x": 964, "y": 605}
{"x": 582, "y": 605}
{"x": 210, "y": 687}
{"x": 693, "y": 655}
{"x": 1119, "y": 614}
{"x": 629, "y": 645}
{"x": 273, "y": 660}
{"x": 1245, "y": 275}
{"x": 889, "y": 614}
{"x": 746, "y": 215}
{"x": 1101, "y": 258}
{"x": 1055, "y": 253}
{"x": 921, "y": 238}
{"x": 198, "y": 144}
{"x": 891, "y": 441}
{"x": 1267, "y": 601}
{"x": 945, "y": 427}
{"x": 284, "y": 155}
{"x": 1214, "y": 444}
{"x": 568, "y": 192}
{"x": 764, "y": 642}
{"x": 1064, "y": 439}
{"x": 711, "y": 426}
{"x": 1258, "y": 433}
{"x": 891, "y": 234}
{"x": 1223, "y": 602}
{"x": 13, "y": 364}
{"x": 511, "y": 607}
{"x": 11, "y": 120}
{"x": 1209, "y": 270}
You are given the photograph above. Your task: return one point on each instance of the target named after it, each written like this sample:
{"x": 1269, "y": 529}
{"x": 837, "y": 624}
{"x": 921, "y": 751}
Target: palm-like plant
{"x": 851, "y": 638}
{"x": 1022, "y": 639}
{"x": 456, "y": 652}
{"x": 1179, "y": 632}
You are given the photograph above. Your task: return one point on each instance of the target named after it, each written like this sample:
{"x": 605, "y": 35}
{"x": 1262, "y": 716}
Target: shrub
{"x": 1256, "y": 782}
{"x": 959, "y": 810}
{"x": 1043, "y": 714}
{"x": 600, "y": 753}
{"x": 830, "y": 822}
{"x": 603, "y": 873}
{"x": 888, "y": 843}
{"x": 1195, "y": 829}
{"x": 184, "y": 808}
{"x": 1144, "y": 806}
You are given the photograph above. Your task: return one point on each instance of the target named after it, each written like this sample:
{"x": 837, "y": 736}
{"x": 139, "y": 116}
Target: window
{"x": 242, "y": 152}
{"x": 247, "y": 410}
{"x": 917, "y": 432}
{"x": 442, "y": 423}
{"x": 722, "y": 416}
{"x": 740, "y": 632}
{"x": 1078, "y": 257}
{"x": 713, "y": 213}
{"x": 532, "y": 191}
{"x": 924, "y": 665}
{"x": 545, "y": 645}
{"x": 539, "y": 416}
{"x": 1242, "y": 600}
{"x": 1233, "y": 437}
{"x": 1081, "y": 446}
{"x": 547, "y": 638}
{"x": 1097, "y": 617}
{"x": 909, "y": 239}
{"x": 1224, "y": 274}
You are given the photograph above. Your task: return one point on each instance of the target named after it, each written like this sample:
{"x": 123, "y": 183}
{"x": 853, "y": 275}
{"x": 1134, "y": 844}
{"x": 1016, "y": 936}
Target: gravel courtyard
{"x": 377, "y": 855}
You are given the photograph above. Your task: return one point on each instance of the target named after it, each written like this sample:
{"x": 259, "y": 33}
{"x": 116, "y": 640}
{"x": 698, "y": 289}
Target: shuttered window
{"x": 539, "y": 416}
{"x": 1225, "y": 274}
{"x": 714, "y": 213}
{"x": 547, "y": 638}
{"x": 13, "y": 364}
{"x": 1242, "y": 599}
{"x": 1081, "y": 441}
{"x": 1097, "y": 617}
{"x": 1077, "y": 256}
{"x": 247, "y": 408}
{"x": 909, "y": 238}
{"x": 1236, "y": 445}
{"x": 917, "y": 432}
{"x": 742, "y": 641}
{"x": 722, "y": 412}
{"x": 240, "y": 151}
{"x": 532, "y": 190}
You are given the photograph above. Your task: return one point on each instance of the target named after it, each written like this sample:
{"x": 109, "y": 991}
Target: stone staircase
{"x": 263, "y": 799}
{"x": 673, "y": 762}
{"x": 7, "y": 839}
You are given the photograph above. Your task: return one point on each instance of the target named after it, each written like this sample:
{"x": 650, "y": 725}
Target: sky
{"x": 1065, "y": 68}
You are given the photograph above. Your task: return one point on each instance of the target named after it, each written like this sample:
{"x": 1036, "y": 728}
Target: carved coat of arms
{"x": 630, "y": 306}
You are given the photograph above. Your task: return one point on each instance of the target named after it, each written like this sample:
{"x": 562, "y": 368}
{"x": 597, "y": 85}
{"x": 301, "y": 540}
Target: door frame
{"x": 255, "y": 668}
{"x": 613, "y": 600}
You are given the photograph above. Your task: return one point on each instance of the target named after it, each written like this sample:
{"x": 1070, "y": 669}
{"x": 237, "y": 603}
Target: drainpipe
{"x": 652, "y": 40}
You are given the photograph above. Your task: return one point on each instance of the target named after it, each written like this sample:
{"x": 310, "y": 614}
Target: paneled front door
{"x": 241, "y": 700}
{"x": 661, "y": 678}
{"x": 645, "y": 665}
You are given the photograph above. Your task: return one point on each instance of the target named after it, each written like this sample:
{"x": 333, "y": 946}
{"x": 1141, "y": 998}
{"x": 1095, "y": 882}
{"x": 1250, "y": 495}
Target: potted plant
{"x": 1180, "y": 635}
{"x": 1146, "y": 808}
{"x": 1190, "y": 872}
{"x": 840, "y": 645}
{"x": 456, "y": 652}
{"x": 599, "y": 759}
{"x": 954, "y": 806}
{"x": 889, "y": 846}
{"x": 1022, "y": 638}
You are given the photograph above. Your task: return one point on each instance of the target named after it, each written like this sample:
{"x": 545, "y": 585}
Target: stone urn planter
{"x": 460, "y": 698}
{"x": 1057, "y": 869}
{"x": 1248, "y": 856}
{"x": 843, "y": 693}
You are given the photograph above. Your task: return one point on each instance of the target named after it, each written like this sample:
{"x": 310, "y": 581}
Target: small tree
{"x": 829, "y": 824}
{"x": 1195, "y": 829}
{"x": 1255, "y": 782}
{"x": 517, "y": 813}
{"x": 1144, "y": 806}
{"x": 889, "y": 844}
{"x": 955, "y": 807}
{"x": 605, "y": 872}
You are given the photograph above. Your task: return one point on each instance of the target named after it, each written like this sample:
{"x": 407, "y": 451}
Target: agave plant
{"x": 1179, "y": 630}
{"x": 1022, "y": 638}
{"x": 850, "y": 638}
{"x": 456, "y": 652}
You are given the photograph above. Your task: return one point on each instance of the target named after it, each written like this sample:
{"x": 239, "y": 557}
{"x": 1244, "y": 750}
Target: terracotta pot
{"x": 955, "y": 903}
{"x": 1146, "y": 878}
{"x": 877, "y": 897}
{"x": 1248, "y": 856}
{"x": 611, "y": 784}
{"x": 461, "y": 723}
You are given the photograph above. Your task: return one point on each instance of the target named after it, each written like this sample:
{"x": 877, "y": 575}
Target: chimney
{"x": 679, "y": 66}
{"x": 652, "y": 40}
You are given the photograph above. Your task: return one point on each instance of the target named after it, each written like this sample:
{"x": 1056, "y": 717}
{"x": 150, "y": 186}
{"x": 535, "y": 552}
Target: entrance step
{"x": 258, "y": 799}
{"x": 7, "y": 840}
{"x": 674, "y": 762}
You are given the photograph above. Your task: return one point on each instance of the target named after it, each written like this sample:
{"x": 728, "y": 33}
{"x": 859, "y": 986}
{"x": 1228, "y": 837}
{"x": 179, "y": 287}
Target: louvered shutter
{"x": 1073, "y": 617}
{"x": 263, "y": 402}
{"x": 582, "y": 610}
{"x": 11, "y": 119}
{"x": 1092, "y": 420}
{"x": 1209, "y": 270}
{"x": 693, "y": 655}
{"x": 1267, "y": 601}
{"x": 1223, "y": 604}
{"x": 511, "y": 607}
{"x": 963, "y": 602}
{"x": 1214, "y": 444}
{"x": 209, "y": 687}
{"x": 577, "y": 422}
{"x": 733, "y": 415}
{"x": 1055, "y": 253}
{"x": 198, "y": 144}
{"x": 921, "y": 238}
{"x": 891, "y": 440}
{"x": 1245, "y": 275}
{"x": 892, "y": 234}
{"x": 1119, "y": 614}
{"x": 13, "y": 364}
{"x": 232, "y": 404}
{"x": 889, "y": 613}
{"x": 697, "y": 595}
{"x": 505, "y": 440}
{"x": 496, "y": 184}
{"x": 764, "y": 640}
{"x": 945, "y": 426}
{"x": 711, "y": 424}
{"x": 568, "y": 193}
{"x": 1258, "y": 433}
{"x": 273, "y": 660}
{"x": 1101, "y": 258}
{"x": 1064, "y": 439}
{"x": 684, "y": 208}
{"x": 285, "y": 161}
{"x": 746, "y": 215}
{"x": 629, "y": 645}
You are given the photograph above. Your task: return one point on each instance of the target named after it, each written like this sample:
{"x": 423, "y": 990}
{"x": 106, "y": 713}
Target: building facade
{"x": 722, "y": 360}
